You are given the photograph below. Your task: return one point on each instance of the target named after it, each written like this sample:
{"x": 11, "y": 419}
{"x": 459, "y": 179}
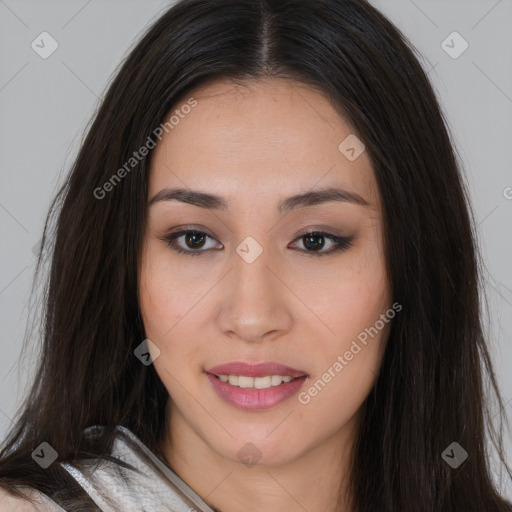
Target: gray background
{"x": 46, "y": 103}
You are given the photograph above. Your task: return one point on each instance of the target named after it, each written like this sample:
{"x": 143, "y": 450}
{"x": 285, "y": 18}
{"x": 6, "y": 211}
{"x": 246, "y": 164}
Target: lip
{"x": 255, "y": 370}
{"x": 251, "y": 399}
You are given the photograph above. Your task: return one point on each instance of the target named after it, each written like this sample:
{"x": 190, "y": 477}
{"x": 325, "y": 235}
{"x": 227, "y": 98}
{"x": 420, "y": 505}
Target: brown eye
{"x": 314, "y": 242}
{"x": 194, "y": 241}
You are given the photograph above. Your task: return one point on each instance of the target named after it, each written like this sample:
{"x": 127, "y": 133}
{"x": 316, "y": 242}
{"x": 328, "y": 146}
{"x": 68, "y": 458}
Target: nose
{"x": 256, "y": 302}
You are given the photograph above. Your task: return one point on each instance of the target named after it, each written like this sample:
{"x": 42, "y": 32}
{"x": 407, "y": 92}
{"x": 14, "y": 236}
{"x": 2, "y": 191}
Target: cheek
{"x": 155, "y": 301}
{"x": 351, "y": 335}
{"x": 346, "y": 363}
{"x": 166, "y": 295}
{"x": 164, "y": 313}
{"x": 348, "y": 297}
{"x": 172, "y": 310}
{"x": 357, "y": 304}
{"x": 349, "y": 352}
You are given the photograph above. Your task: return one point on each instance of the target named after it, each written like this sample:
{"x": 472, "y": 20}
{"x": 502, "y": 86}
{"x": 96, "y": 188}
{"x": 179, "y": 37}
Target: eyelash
{"x": 341, "y": 243}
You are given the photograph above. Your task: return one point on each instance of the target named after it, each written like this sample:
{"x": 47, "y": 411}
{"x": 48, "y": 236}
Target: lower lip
{"x": 250, "y": 399}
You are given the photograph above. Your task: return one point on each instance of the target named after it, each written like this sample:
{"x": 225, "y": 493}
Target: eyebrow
{"x": 213, "y": 202}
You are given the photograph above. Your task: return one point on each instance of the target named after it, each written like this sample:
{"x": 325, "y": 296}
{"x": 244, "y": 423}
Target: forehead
{"x": 264, "y": 137}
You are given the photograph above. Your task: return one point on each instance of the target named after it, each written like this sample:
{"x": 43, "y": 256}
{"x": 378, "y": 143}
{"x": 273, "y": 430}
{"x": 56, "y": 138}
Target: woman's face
{"x": 250, "y": 288}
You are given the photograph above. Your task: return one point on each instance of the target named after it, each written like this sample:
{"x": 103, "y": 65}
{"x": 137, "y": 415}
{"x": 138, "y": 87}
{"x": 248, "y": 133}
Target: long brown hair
{"x": 430, "y": 389}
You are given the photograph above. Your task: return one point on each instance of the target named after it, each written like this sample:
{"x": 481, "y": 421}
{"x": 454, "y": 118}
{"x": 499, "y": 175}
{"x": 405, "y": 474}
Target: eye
{"x": 194, "y": 240}
{"x": 314, "y": 241}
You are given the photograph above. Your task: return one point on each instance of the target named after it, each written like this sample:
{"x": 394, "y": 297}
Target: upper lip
{"x": 255, "y": 370}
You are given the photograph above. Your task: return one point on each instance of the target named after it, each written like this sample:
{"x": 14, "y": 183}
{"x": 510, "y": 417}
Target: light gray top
{"x": 152, "y": 486}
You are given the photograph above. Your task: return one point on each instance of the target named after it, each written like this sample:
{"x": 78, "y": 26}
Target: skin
{"x": 255, "y": 145}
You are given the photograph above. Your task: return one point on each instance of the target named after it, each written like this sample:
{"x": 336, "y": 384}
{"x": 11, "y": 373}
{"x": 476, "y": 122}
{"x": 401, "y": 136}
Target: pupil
{"x": 192, "y": 236}
{"x": 310, "y": 241}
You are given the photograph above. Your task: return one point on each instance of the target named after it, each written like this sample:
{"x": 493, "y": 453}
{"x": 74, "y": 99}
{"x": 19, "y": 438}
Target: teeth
{"x": 276, "y": 380}
{"x": 245, "y": 382}
{"x": 255, "y": 382}
{"x": 263, "y": 382}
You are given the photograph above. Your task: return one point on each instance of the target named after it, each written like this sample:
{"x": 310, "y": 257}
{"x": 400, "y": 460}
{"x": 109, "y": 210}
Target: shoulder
{"x": 42, "y": 503}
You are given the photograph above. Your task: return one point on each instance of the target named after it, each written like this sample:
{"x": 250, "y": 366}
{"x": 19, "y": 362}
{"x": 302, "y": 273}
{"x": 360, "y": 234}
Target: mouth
{"x": 255, "y": 387}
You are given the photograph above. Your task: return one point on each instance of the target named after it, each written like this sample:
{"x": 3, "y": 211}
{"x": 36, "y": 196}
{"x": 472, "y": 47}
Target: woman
{"x": 264, "y": 286}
